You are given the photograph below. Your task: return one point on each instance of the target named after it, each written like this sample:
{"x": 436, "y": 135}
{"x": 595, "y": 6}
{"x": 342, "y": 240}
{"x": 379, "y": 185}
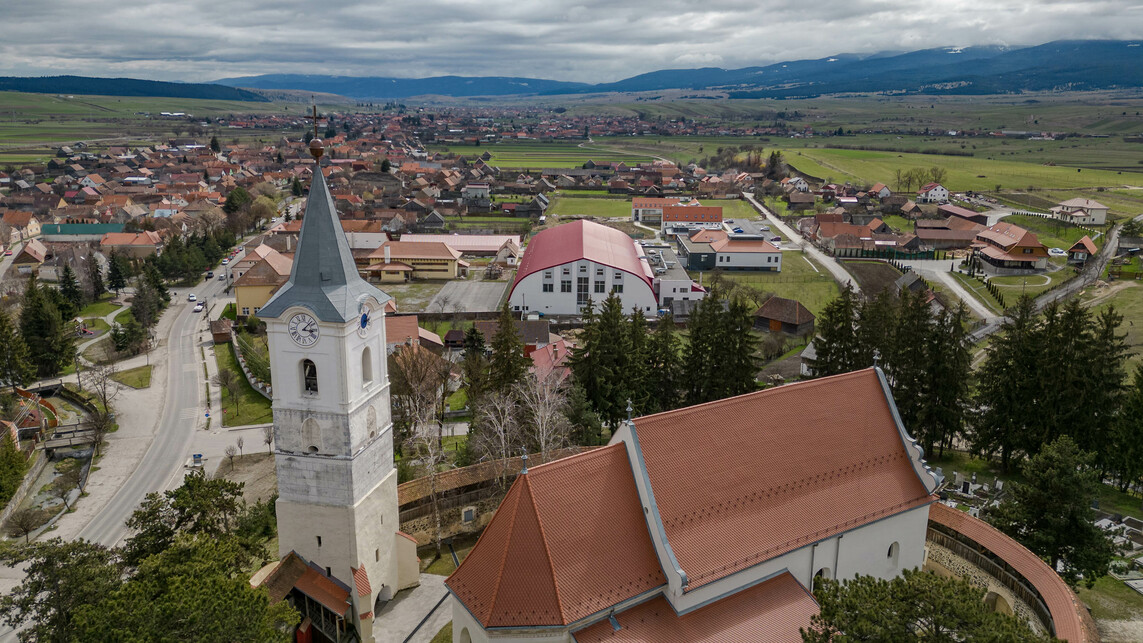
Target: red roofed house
{"x": 1081, "y": 211}
{"x": 933, "y": 193}
{"x": 1082, "y": 251}
{"x": 692, "y": 216}
{"x": 649, "y": 210}
{"x": 641, "y": 540}
{"x": 132, "y": 244}
{"x": 1009, "y": 246}
{"x": 566, "y": 265}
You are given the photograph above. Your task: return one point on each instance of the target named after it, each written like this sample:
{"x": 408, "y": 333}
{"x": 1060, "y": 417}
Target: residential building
{"x": 711, "y": 249}
{"x": 1082, "y": 251}
{"x": 781, "y": 315}
{"x": 1081, "y": 211}
{"x": 132, "y": 244}
{"x": 260, "y": 282}
{"x": 691, "y": 216}
{"x": 30, "y": 257}
{"x": 24, "y": 225}
{"x": 933, "y": 193}
{"x": 1008, "y": 246}
{"x": 397, "y": 261}
{"x": 814, "y": 480}
{"x": 565, "y": 266}
{"x": 649, "y": 210}
{"x": 405, "y": 330}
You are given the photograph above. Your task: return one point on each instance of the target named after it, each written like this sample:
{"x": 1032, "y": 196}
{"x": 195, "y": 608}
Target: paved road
{"x": 183, "y": 413}
{"x": 829, "y": 263}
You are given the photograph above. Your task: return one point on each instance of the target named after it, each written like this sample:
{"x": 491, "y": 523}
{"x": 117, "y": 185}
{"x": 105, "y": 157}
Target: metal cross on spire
{"x": 317, "y": 147}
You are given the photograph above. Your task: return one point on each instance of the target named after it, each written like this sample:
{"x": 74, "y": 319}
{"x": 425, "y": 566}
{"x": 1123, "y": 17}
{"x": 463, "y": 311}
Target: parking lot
{"x": 468, "y": 297}
{"x": 750, "y": 227}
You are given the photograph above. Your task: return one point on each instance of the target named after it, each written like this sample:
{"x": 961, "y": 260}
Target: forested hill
{"x": 125, "y": 87}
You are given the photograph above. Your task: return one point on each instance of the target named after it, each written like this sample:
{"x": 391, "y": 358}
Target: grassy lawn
{"x": 123, "y": 316}
{"x": 573, "y": 206}
{"x": 252, "y": 406}
{"x": 1013, "y": 286}
{"x": 101, "y": 308}
{"x": 980, "y": 292}
{"x": 458, "y": 400}
{"x": 443, "y": 566}
{"x": 800, "y": 279}
{"x": 1128, "y": 301}
{"x": 537, "y": 154}
{"x": 138, "y": 377}
{"x": 899, "y": 223}
{"x": 445, "y": 635}
{"x": 96, "y": 324}
{"x": 1112, "y": 599}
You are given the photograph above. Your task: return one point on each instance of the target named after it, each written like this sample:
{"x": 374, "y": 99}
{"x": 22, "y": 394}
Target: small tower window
{"x": 309, "y": 377}
{"x": 894, "y": 549}
{"x": 366, "y": 367}
{"x": 319, "y": 541}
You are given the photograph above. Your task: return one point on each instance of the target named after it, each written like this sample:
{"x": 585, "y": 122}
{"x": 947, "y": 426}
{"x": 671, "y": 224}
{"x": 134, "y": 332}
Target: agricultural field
{"x": 873, "y": 276}
{"x": 537, "y": 155}
{"x": 1127, "y": 298}
{"x": 801, "y": 278}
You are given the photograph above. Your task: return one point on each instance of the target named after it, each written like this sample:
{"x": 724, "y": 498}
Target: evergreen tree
{"x": 95, "y": 277}
{"x": 509, "y": 365}
{"x": 876, "y": 329}
{"x": 12, "y": 468}
{"x": 586, "y": 425}
{"x": 1125, "y": 448}
{"x": 386, "y": 166}
{"x": 613, "y": 359}
{"x": 117, "y": 272}
{"x": 50, "y": 341}
{"x": 585, "y": 359}
{"x": 1050, "y": 513}
{"x": 474, "y": 366}
{"x": 1106, "y": 386}
{"x": 906, "y": 363}
{"x": 237, "y": 200}
{"x": 296, "y": 187}
{"x": 1007, "y": 388}
{"x": 735, "y": 362}
{"x": 70, "y": 289}
{"x": 704, "y": 339}
{"x": 947, "y": 380}
{"x": 214, "y": 146}
{"x": 837, "y": 344}
{"x": 15, "y": 367}
{"x": 664, "y": 368}
{"x": 637, "y": 374}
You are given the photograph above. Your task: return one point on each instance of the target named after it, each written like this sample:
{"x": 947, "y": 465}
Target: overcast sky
{"x": 592, "y": 41}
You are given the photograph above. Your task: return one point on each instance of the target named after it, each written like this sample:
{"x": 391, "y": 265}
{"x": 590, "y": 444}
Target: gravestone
{"x": 964, "y": 487}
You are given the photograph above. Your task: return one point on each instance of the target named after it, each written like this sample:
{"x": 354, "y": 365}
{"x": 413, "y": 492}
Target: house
{"x": 405, "y": 330}
{"x": 1082, "y": 251}
{"x": 642, "y": 541}
{"x": 1081, "y": 212}
{"x": 691, "y": 216}
{"x": 132, "y": 244}
{"x": 649, "y": 210}
{"x": 800, "y": 201}
{"x": 259, "y": 283}
{"x": 795, "y": 183}
{"x": 565, "y": 266}
{"x": 881, "y": 191}
{"x": 1008, "y": 246}
{"x": 933, "y": 193}
{"x": 397, "y": 261}
{"x": 972, "y": 216}
{"x": 454, "y": 339}
{"x": 220, "y": 330}
{"x": 473, "y": 245}
{"x": 781, "y": 315}
{"x": 30, "y": 258}
{"x": 23, "y": 224}
{"x": 943, "y": 234}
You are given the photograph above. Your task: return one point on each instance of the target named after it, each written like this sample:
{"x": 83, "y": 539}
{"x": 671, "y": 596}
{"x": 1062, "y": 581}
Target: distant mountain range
{"x": 1060, "y": 65}
{"x": 1066, "y": 65}
{"x": 124, "y": 87}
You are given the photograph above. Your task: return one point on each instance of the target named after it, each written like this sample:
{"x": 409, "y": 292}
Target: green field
{"x": 978, "y": 290}
{"x": 589, "y": 207}
{"x": 801, "y": 278}
{"x": 535, "y": 154}
{"x": 138, "y": 377}
{"x": 1127, "y": 297}
{"x": 251, "y": 407}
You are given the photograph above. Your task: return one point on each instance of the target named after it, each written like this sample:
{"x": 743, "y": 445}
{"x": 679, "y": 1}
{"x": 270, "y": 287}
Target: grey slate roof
{"x": 324, "y": 277}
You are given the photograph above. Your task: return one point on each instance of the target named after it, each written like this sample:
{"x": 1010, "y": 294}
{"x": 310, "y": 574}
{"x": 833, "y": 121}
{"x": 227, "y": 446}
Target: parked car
{"x": 8, "y": 253}
{"x": 191, "y": 297}
{"x": 210, "y": 274}
{"x": 222, "y": 277}
{"x": 738, "y": 231}
{"x": 226, "y": 261}
{"x": 1057, "y": 252}
{"x": 775, "y": 239}
{"x": 198, "y": 308}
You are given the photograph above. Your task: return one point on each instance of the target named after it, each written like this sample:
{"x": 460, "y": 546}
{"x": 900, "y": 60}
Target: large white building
{"x": 707, "y": 523}
{"x": 566, "y": 265}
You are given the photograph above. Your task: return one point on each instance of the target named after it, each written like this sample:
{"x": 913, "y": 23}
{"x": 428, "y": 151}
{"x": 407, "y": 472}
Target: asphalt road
{"x": 183, "y": 413}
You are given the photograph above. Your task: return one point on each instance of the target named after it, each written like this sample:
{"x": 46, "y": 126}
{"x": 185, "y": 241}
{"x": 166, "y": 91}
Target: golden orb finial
{"x": 317, "y": 148}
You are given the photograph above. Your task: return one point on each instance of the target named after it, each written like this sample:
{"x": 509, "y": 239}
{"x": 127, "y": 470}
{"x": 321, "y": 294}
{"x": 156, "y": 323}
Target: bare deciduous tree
{"x": 241, "y": 443}
{"x": 425, "y": 445}
{"x": 232, "y": 383}
{"x": 419, "y": 380}
{"x": 231, "y": 451}
{"x": 542, "y": 403}
{"x": 99, "y": 379}
{"x": 24, "y": 522}
{"x": 268, "y": 438}
{"x": 67, "y": 480}
{"x": 499, "y": 436}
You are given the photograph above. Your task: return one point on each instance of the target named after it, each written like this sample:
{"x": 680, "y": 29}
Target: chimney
{"x": 386, "y": 253}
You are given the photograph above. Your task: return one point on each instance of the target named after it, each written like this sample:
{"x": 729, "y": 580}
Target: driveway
{"x": 468, "y": 296}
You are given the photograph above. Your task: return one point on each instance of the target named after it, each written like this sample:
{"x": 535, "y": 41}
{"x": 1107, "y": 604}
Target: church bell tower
{"x": 333, "y": 436}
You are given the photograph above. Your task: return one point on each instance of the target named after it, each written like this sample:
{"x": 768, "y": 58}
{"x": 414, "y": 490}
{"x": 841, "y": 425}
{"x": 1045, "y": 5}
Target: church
{"x": 342, "y": 552}
{"x": 707, "y": 523}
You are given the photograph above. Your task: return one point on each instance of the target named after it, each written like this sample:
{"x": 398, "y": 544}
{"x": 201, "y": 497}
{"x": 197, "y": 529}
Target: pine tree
{"x": 51, "y": 342}
{"x": 15, "y": 369}
{"x": 1007, "y": 391}
{"x": 69, "y": 288}
{"x": 736, "y": 360}
{"x": 95, "y": 277}
{"x": 1105, "y": 385}
{"x": 665, "y": 368}
{"x": 296, "y": 187}
{"x": 585, "y": 359}
{"x": 948, "y": 379}
{"x": 637, "y": 375}
{"x": 837, "y": 344}
{"x": 474, "y": 366}
{"x": 906, "y": 365}
{"x": 704, "y": 340}
{"x": 214, "y": 146}
{"x": 613, "y": 358}
{"x": 116, "y": 274}
{"x": 12, "y": 467}
{"x": 509, "y": 365}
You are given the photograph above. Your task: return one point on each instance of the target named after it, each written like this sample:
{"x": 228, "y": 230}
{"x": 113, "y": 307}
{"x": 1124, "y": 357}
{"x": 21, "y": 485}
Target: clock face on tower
{"x": 303, "y": 330}
{"x": 366, "y": 320}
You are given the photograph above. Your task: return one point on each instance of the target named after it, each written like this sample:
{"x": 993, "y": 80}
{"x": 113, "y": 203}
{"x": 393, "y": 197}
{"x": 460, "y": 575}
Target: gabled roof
{"x": 568, "y": 540}
{"x": 582, "y": 240}
{"x": 787, "y": 311}
{"x": 1008, "y": 236}
{"x": 772, "y": 612}
{"x": 324, "y": 277}
{"x": 1084, "y": 245}
{"x": 271, "y": 270}
{"x": 1082, "y": 203}
{"x": 795, "y": 464}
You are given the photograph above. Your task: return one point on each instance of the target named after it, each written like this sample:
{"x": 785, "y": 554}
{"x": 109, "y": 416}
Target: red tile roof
{"x": 1085, "y": 245}
{"x": 361, "y": 580}
{"x": 582, "y": 240}
{"x": 1009, "y": 236}
{"x": 690, "y": 213}
{"x": 769, "y": 472}
{"x": 772, "y": 612}
{"x": 568, "y": 540}
{"x": 788, "y": 311}
{"x": 1067, "y": 612}
{"x": 324, "y": 591}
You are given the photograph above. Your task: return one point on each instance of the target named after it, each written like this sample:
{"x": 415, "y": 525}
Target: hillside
{"x": 125, "y": 87}
{"x": 382, "y": 88}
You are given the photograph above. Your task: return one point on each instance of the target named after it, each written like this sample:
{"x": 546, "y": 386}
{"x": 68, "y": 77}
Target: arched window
{"x": 309, "y": 377}
{"x": 366, "y": 366}
{"x": 311, "y": 435}
{"x": 465, "y": 637}
{"x": 894, "y": 549}
{"x": 824, "y": 572}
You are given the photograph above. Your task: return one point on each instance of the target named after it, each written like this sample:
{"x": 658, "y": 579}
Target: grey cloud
{"x": 592, "y": 41}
